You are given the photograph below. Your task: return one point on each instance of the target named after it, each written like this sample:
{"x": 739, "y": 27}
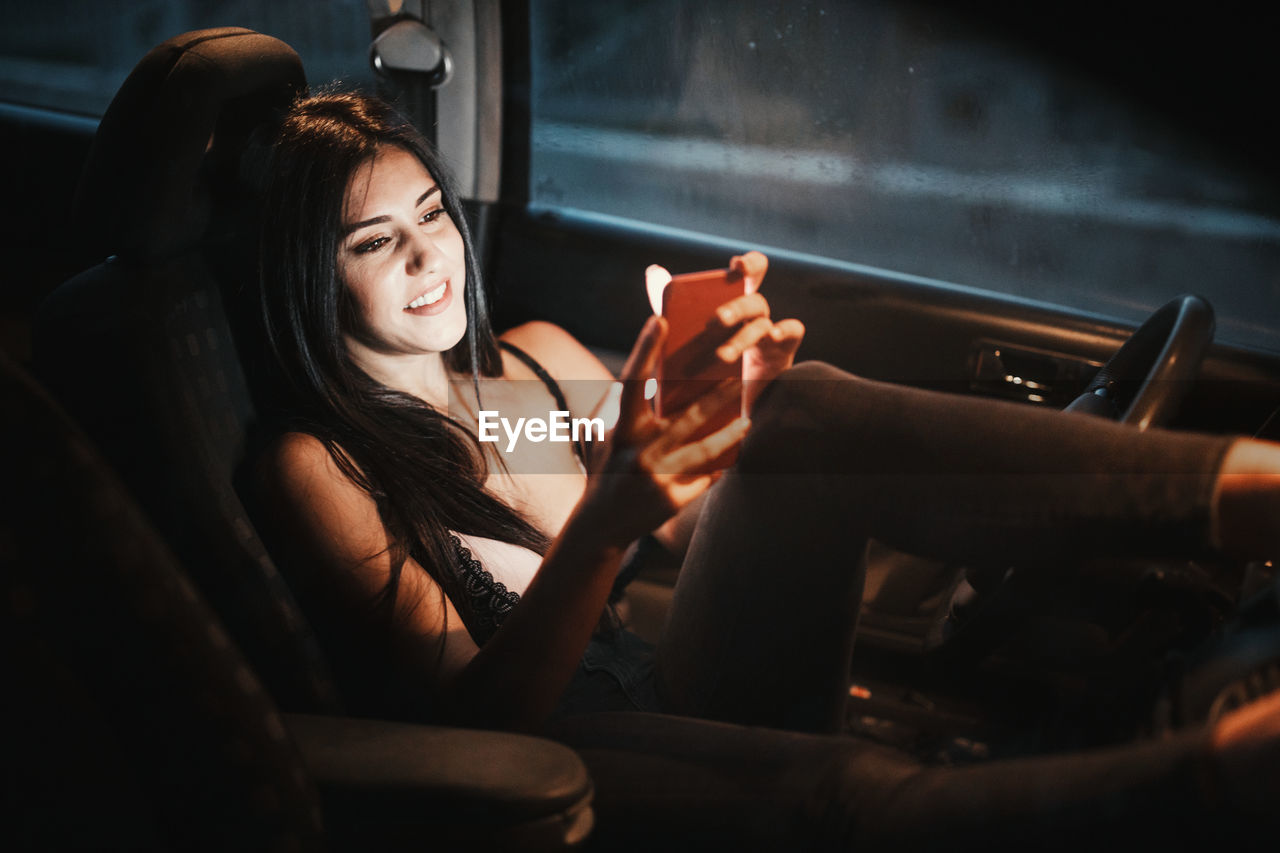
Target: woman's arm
{"x": 331, "y": 531}
{"x": 648, "y": 471}
{"x": 511, "y": 682}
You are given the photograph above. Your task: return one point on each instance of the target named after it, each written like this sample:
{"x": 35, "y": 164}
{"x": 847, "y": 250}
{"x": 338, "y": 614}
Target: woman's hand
{"x": 767, "y": 348}
{"x": 650, "y": 467}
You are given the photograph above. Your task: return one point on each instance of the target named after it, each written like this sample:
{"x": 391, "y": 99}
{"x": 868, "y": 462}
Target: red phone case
{"x": 688, "y": 304}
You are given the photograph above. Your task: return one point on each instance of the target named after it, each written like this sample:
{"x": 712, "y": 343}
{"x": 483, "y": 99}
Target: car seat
{"x": 134, "y": 723}
{"x": 139, "y": 348}
{"x": 142, "y": 350}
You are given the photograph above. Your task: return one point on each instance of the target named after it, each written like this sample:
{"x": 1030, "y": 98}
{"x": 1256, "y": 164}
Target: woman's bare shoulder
{"x": 563, "y": 356}
{"x": 309, "y": 493}
{"x": 295, "y": 453}
{"x": 298, "y": 464}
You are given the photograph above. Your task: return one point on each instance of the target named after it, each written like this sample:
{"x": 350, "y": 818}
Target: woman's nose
{"x": 422, "y": 254}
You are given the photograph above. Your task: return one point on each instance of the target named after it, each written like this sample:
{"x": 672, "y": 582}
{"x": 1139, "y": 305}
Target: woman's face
{"x": 402, "y": 259}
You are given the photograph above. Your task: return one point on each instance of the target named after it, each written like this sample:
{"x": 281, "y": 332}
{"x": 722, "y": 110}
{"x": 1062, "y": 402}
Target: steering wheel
{"x": 1146, "y": 380}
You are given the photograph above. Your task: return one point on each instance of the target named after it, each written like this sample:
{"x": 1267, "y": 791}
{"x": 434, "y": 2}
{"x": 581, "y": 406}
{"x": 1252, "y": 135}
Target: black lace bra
{"x": 485, "y": 601}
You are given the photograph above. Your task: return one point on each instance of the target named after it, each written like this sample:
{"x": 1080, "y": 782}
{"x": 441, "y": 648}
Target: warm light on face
{"x": 402, "y": 260}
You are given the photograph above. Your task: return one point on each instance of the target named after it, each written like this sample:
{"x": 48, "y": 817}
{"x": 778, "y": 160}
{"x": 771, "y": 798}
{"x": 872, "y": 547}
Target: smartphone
{"x": 685, "y": 373}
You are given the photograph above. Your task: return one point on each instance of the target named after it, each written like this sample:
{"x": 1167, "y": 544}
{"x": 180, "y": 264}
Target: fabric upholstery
{"x": 100, "y": 614}
{"x": 140, "y": 348}
{"x": 145, "y": 185}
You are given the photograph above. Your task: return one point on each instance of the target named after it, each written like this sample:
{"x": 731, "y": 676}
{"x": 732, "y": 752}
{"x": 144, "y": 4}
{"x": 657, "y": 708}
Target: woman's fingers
{"x": 773, "y": 354}
{"x": 645, "y": 350}
{"x": 744, "y": 320}
{"x": 640, "y": 366}
{"x": 775, "y": 350}
{"x": 692, "y": 419}
{"x": 708, "y": 454}
{"x": 789, "y": 332}
{"x": 744, "y": 339}
{"x": 742, "y": 308}
{"x": 686, "y": 490}
{"x": 753, "y": 265}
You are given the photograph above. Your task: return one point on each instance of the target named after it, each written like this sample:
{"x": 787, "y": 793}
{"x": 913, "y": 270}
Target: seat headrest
{"x": 174, "y": 138}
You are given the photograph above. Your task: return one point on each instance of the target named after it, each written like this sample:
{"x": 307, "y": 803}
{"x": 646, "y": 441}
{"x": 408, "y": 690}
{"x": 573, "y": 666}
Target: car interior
{"x": 171, "y": 692}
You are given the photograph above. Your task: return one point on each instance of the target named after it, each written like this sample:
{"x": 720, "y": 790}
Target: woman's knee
{"x": 802, "y": 387}
{"x": 793, "y": 409}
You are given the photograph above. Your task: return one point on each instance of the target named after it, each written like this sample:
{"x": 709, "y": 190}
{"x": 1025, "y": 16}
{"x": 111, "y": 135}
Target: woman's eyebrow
{"x": 347, "y": 230}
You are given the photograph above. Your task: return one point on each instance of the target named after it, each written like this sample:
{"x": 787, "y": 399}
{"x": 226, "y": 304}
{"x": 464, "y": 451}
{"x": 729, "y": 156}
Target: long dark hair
{"x": 424, "y": 472}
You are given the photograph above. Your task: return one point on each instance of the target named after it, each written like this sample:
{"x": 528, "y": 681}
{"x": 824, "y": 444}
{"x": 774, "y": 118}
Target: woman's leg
{"x": 961, "y": 476}
{"x": 762, "y": 622}
{"x": 761, "y": 627}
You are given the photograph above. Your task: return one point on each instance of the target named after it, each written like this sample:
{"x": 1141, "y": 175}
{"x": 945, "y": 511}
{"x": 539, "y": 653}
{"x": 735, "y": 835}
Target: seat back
{"x": 134, "y": 723}
{"x": 141, "y": 349}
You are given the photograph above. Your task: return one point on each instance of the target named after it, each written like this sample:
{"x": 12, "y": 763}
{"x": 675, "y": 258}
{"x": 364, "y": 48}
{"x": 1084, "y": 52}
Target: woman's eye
{"x": 372, "y": 245}
{"x": 432, "y": 216}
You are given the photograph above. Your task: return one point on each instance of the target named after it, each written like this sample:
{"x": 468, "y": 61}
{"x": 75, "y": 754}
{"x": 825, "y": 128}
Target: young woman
{"x": 450, "y": 583}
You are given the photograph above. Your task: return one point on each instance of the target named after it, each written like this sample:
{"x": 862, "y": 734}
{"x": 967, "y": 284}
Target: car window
{"x": 72, "y": 55}
{"x": 888, "y": 135}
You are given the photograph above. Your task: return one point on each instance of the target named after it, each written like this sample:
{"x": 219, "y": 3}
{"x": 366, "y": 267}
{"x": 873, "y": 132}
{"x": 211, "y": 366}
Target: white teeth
{"x": 429, "y": 297}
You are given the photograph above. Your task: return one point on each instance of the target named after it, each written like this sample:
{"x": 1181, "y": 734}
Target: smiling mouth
{"x": 430, "y": 297}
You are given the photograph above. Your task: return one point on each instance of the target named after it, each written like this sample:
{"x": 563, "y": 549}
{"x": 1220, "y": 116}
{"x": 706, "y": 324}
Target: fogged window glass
{"x": 72, "y": 55}
{"x": 884, "y": 135}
